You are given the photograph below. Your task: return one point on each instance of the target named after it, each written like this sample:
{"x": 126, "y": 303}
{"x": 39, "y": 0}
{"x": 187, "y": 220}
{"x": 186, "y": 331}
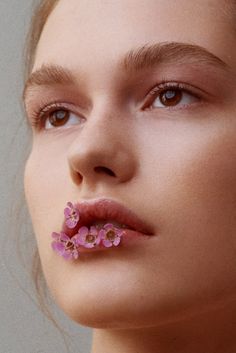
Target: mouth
{"x": 101, "y": 211}
{"x": 97, "y": 225}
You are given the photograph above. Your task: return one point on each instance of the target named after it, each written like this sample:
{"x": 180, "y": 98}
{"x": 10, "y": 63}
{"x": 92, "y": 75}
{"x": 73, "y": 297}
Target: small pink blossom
{"x": 88, "y": 237}
{"x": 71, "y": 215}
{"x": 65, "y": 246}
{"x": 110, "y": 235}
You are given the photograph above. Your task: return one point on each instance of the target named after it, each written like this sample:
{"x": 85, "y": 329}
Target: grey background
{"x": 23, "y": 328}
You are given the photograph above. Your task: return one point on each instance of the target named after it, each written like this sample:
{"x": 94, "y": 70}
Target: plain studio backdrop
{"x": 23, "y": 328}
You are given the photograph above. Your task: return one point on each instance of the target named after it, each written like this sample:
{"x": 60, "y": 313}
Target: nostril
{"x": 104, "y": 170}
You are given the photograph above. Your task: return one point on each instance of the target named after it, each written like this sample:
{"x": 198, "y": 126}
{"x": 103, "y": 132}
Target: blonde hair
{"x": 39, "y": 18}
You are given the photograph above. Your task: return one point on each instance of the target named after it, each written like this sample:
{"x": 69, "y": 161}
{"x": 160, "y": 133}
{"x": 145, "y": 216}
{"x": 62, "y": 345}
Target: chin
{"x": 102, "y": 308}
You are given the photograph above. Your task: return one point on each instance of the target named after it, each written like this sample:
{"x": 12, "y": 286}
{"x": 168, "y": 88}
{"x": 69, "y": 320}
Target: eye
{"x": 171, "y": 95}
{"x": 172, "y": 98}
{"x": 55, "y": 116}
{"x": 59, "y": 117}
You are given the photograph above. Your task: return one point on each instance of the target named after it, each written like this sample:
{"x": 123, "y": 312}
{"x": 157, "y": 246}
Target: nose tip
{"x": 101, "y": 154}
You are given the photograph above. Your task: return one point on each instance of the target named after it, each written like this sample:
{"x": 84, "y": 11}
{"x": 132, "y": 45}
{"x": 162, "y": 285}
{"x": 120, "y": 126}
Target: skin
{"x": 175, "y": 168}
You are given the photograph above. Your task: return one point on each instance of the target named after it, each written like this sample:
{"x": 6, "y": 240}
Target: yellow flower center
{"x": 90, "y": 238}
{"x": 73, "y": 215}
{"x": 69, "y": 245}
{"x": 110, "y": 235}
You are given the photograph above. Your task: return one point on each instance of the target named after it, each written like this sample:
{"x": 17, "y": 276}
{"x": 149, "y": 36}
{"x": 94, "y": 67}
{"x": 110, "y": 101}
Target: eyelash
{"x": 39, "y": 116}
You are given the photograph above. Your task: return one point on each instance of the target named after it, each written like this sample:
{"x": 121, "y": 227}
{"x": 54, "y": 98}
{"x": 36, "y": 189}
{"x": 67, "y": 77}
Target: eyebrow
{"x": 169, "y": 52}
{"x": 144, "y": 57}
{"x": 49, "y": 75}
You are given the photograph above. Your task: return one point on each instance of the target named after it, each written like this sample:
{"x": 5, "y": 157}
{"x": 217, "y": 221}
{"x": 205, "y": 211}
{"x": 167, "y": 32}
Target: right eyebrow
{"x": 48, "y": 75}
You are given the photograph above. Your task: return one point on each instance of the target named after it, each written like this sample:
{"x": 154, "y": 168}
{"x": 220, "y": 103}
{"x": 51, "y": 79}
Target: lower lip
{"x": 129, "y": 238}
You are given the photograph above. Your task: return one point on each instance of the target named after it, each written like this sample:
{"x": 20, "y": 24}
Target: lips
{"x": 106, "y": 210}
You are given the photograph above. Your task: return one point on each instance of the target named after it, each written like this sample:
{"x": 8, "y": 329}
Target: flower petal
{"x": 98, "y": 240}
{"x": 67, "y": 212}
{"x": 58, "y": 247}
{"x": 67, "y": 255}
{"x": 116, "y": 241}
{"x": 107, "y": 243}
{"x": 70, "y": 204}
{"x": 108, "y": 226}
{"x": 89, "y": 245}
{"x": 71, "y": 223}
{"x": 64, "y": 237}
{"x": 102, "y": 234}
{"x": 75, "y": 254}
{"x": 93, "y": 230}
{"x": 83, "y": 231}
{"x": 81, "y": 239}
{"x": 55, "y": 235}
{"x": 119, "y": 232}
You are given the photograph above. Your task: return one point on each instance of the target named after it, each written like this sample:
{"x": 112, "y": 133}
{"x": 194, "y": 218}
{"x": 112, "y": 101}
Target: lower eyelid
{"x": 184, "y": 108}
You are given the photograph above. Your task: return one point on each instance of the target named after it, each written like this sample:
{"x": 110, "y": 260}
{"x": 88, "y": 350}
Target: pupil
{"x": 59, "y": 117}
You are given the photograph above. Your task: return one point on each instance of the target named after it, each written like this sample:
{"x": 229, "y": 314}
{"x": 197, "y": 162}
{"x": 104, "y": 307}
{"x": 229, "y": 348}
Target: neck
{"x": 208, "y": 332}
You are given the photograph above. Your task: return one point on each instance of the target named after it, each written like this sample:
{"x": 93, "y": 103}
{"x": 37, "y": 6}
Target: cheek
{"x": 192, "y": 172}
{"x": 208, "y": 181}
{"x": 45, "y": 172}
{"x": 195, "y": 196}
{"x": 44, "y": 175}
{"x": 189, "y": 178}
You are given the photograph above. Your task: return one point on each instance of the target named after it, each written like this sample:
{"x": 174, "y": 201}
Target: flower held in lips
{"x": 71, "y": 215}
{"x": 110, "y": 235}
{"x": 65, "y": 246}
{"x": 88, "y": 237}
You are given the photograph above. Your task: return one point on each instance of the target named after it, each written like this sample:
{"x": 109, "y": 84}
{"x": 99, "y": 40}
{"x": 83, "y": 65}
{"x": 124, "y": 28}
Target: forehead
{"x": 80, "y": 31}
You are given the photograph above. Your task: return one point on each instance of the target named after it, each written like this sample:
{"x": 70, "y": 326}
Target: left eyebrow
{"x": 148, "y": 56}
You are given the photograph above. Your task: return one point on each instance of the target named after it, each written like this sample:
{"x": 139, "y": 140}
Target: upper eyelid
{"x": 165, "y": 85}
{"x": 52, "y": 107}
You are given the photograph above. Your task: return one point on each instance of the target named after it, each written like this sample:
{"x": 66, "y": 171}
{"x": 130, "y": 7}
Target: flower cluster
{"x": 87, "y": 237}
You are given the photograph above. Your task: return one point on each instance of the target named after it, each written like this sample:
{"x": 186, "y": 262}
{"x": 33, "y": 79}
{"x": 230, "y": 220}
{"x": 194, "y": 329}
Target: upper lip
{"x": 110, "y": 210}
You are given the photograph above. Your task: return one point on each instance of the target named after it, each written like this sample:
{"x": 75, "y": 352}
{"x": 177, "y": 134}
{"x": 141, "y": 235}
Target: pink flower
{"x": 71, "y": 215}
{"x": 88, "y": 237}
{"x": 110, "y": 235}
{"x": 65, "y": 246}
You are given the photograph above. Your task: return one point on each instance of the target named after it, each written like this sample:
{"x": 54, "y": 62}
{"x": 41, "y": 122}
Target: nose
{"x": 102, "y": 152}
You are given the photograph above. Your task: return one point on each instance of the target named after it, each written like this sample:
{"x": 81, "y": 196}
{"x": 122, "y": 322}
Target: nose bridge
{"x": 104, "y": 128}
{"x": 102, "y": 149}
{"x": 101, "y": 135}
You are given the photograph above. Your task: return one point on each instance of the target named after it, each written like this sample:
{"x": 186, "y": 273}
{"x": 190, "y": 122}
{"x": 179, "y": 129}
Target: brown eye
{"x": 59, "y": 117}
{"x": 171, "y": 97}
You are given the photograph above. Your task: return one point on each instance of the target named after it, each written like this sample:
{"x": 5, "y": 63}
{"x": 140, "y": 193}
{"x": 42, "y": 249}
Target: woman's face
{"x": 154, "y": 132}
